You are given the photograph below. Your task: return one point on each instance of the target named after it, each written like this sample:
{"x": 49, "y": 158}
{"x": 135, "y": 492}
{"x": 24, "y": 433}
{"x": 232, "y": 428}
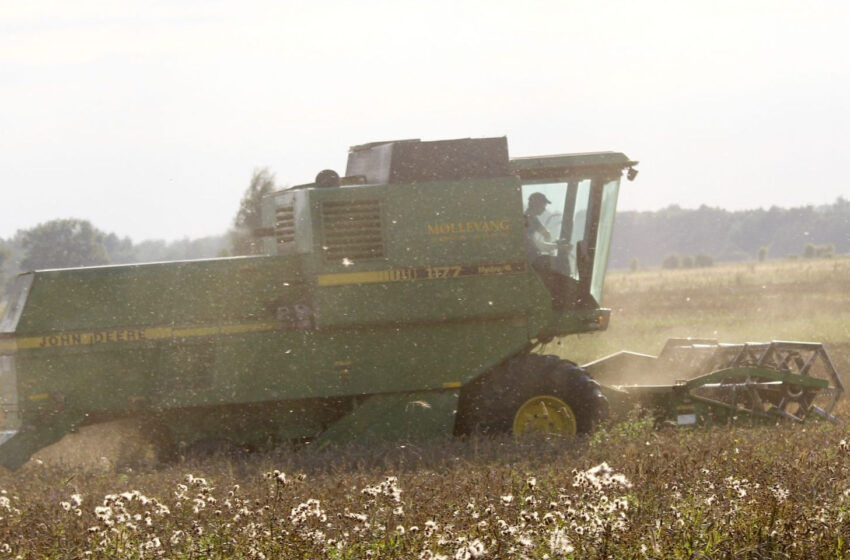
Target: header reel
{"x": 717, "y": 382}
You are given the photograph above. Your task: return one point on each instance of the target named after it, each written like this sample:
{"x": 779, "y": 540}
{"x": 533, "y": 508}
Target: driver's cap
{"x": 538, "y": 196}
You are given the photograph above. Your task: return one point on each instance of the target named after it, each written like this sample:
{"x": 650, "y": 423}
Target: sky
{"x": 149, "y": 118}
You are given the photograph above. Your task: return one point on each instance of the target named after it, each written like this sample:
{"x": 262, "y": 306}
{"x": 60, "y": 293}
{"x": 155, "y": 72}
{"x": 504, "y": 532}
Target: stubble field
{"x": 629, "y": 491}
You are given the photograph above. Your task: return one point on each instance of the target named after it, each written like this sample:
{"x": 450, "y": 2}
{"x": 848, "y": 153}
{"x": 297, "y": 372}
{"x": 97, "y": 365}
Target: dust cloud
{"x": 107, "y": 447}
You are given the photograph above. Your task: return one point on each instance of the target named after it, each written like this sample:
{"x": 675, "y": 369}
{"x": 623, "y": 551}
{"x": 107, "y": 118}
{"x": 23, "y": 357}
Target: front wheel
{"x": 544, "y": 414}
{"x": 532, "y": 395}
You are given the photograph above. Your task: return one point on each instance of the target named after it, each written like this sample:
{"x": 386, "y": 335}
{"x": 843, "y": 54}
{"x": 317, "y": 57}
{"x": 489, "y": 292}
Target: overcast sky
{"x": 148, "y": 118}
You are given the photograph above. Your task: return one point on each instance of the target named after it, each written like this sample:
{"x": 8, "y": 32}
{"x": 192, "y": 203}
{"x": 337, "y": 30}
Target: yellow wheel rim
{"x": 545, "y": 415}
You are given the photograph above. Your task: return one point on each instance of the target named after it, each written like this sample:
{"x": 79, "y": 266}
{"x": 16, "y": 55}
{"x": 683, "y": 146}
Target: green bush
{"x": 671, "y": 262}
{"x": 703, "y": 261}
{"x": 825, "y": 251}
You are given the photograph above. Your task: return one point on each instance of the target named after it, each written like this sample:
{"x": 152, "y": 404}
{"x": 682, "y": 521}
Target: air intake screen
{"x": 352, "y": 230}
{"x": 284, "y": 224}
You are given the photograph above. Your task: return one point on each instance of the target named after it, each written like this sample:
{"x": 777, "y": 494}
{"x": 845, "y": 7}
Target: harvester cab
{"x": 411, "y": 212}
{"x": 571, "y": 202}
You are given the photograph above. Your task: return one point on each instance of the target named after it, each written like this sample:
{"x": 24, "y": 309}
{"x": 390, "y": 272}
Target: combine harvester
{"x": 403, "y": 300}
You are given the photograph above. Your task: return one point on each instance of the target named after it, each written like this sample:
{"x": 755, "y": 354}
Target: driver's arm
{"x": 541, "y": 229}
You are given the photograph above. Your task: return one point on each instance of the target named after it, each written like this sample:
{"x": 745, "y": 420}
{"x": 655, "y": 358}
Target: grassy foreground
{"x": 630, "y": 491}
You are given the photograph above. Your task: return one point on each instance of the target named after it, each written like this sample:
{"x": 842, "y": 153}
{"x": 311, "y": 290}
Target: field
{"x": 629, "y": 491}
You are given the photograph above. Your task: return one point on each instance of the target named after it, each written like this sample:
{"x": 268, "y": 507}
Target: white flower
{"x": 779, "y": 492}
{"x": 472, "y": 549}
{"x": 559, "y": 544}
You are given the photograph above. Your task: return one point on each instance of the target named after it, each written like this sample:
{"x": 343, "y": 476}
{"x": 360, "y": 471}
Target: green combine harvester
{"x": 402, "y": 300}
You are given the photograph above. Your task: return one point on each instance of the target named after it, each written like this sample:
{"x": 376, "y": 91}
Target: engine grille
{"x": 352, "y": 230}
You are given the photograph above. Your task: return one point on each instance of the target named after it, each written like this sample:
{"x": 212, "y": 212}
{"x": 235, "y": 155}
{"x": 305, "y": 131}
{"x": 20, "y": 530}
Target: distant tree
{"x": 763, "y": 253}
{"x": 727, "y": 235}
{"x": 5, "y": 253}
{"x": 182, "y": 249}
{"x": 809, "y": 251}
{"x": 249, "y": 218}
{"x": 826, "y": 251}
{"x": 11, "y": 266}
{"x": 703, "y": 261}
{"x": 119, "y": 249}
{"x": 62, "y": 244}
{"x": 671, "y": 261}
{"x": 687, "y": 261}
{"x": 634, "y": 264}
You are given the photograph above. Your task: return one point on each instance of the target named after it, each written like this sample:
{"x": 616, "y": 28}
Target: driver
{"x": 536, "y": 206}
{"x": 557, "y": 280}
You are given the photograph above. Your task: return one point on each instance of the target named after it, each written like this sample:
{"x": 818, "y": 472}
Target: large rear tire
{"x": 532, "y": 395}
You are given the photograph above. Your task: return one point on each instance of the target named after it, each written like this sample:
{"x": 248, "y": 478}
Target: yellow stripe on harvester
{"x": 343, "y": 278}
{"x": 437, "y": 272}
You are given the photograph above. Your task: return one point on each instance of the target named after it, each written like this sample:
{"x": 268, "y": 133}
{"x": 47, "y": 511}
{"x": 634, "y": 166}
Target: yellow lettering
{"x": 456, "y": 228}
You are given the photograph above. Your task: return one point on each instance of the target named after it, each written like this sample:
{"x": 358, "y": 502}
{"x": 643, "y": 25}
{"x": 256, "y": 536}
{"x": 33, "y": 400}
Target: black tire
{"x": 511, "y": 398}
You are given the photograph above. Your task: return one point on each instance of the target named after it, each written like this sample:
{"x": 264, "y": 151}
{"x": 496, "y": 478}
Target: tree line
{"x": 70, "y": 242}
{"x": 649, "y": 238}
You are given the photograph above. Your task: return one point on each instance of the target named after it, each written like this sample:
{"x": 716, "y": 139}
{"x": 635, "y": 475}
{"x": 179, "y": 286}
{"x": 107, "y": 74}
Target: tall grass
{"x": 629, "y": 492}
